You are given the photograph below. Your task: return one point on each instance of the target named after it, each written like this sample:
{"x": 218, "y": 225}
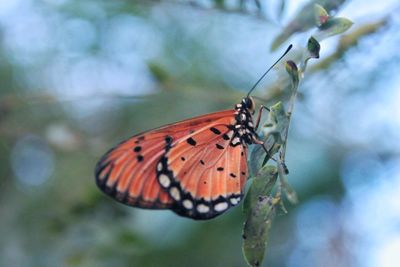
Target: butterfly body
{"x": 197, "y": 167}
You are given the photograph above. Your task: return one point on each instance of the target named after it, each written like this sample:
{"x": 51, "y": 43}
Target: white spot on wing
{"x": 175, "y": 194}
{"x": 203, "y": 208}
{"x": 188, "y": 204}
{"x": 164, "y": 180}
{"x": 159, "y": 166}
{"x": 235, "y": 200}
{"x": 221, "y": 206}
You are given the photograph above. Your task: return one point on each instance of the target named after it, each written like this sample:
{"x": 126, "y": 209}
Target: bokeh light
{"x": 32, "y": 161}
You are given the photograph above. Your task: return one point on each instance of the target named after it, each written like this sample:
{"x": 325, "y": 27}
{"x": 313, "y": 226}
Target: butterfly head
{"x": 249, "y": 104}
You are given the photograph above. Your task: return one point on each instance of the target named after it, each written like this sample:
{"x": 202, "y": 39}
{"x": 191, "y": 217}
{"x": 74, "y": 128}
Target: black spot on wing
{"x": 139, "y": 158}
{"x": 219, "y": 146}
{"x": 215, "y": 130}
{"x": 225, "y": 137}
{"x": 191, "y": 141}
{"x": 220, "y": 169}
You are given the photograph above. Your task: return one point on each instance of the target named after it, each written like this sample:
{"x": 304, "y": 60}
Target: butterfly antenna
{"x": 265, "y": 73}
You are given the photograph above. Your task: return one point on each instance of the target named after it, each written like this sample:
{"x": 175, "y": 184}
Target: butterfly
{"x": 196, "y": 168}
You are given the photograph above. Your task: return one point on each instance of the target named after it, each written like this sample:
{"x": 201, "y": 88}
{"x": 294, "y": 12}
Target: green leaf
{"x": 305, "y": 19}
{"x": 261, "y": 184}
{"x": 273, "y": 132}
{"x": 276, "y": 124}
{"x": 321, "y": 15}
{"x": 333, "y": 26}
{"x": 293, "y": 72}
{"x": 259, "y": 209}
{"x": 349, "y": 40}
{"x": 313, "y": 47}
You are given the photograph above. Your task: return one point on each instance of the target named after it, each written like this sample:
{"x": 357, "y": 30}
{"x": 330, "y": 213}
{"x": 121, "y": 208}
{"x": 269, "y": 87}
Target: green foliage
{"x": 313, "y": 47}
{"x": 274, "y": 133}
{"x": 306, "y": 19}
{"x": 349, "y": 40}
{"x": 335, "y": 26}
{"x": 261, "y": 210}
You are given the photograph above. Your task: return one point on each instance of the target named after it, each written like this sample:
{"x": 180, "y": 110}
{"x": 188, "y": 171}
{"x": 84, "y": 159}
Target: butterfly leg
{"x": 262, "y": 107}
{"x": 262, "y": 143}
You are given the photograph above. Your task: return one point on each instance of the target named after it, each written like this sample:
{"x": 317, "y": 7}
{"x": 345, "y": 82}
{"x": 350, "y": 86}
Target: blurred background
{"x": 76, "y": 77}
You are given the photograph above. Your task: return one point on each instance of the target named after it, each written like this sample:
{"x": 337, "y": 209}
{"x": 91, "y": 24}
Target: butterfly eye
{"x": 249, "y": 102}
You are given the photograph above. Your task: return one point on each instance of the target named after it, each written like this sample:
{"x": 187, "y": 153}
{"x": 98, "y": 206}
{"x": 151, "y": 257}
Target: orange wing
{"x": 204, "y": 173}
{"x": 128, "y": 172}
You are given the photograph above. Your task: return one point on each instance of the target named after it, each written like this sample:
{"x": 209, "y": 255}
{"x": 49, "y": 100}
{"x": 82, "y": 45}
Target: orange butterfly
{"x": 196, "y": 167}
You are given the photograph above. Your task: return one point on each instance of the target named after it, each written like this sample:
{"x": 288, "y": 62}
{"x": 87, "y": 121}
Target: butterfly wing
{"x": 129, "y": 173}
{"x": 204, "y": 172}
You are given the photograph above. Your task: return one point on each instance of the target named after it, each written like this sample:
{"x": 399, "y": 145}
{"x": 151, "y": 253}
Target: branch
{"x": 260, "y": 202}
